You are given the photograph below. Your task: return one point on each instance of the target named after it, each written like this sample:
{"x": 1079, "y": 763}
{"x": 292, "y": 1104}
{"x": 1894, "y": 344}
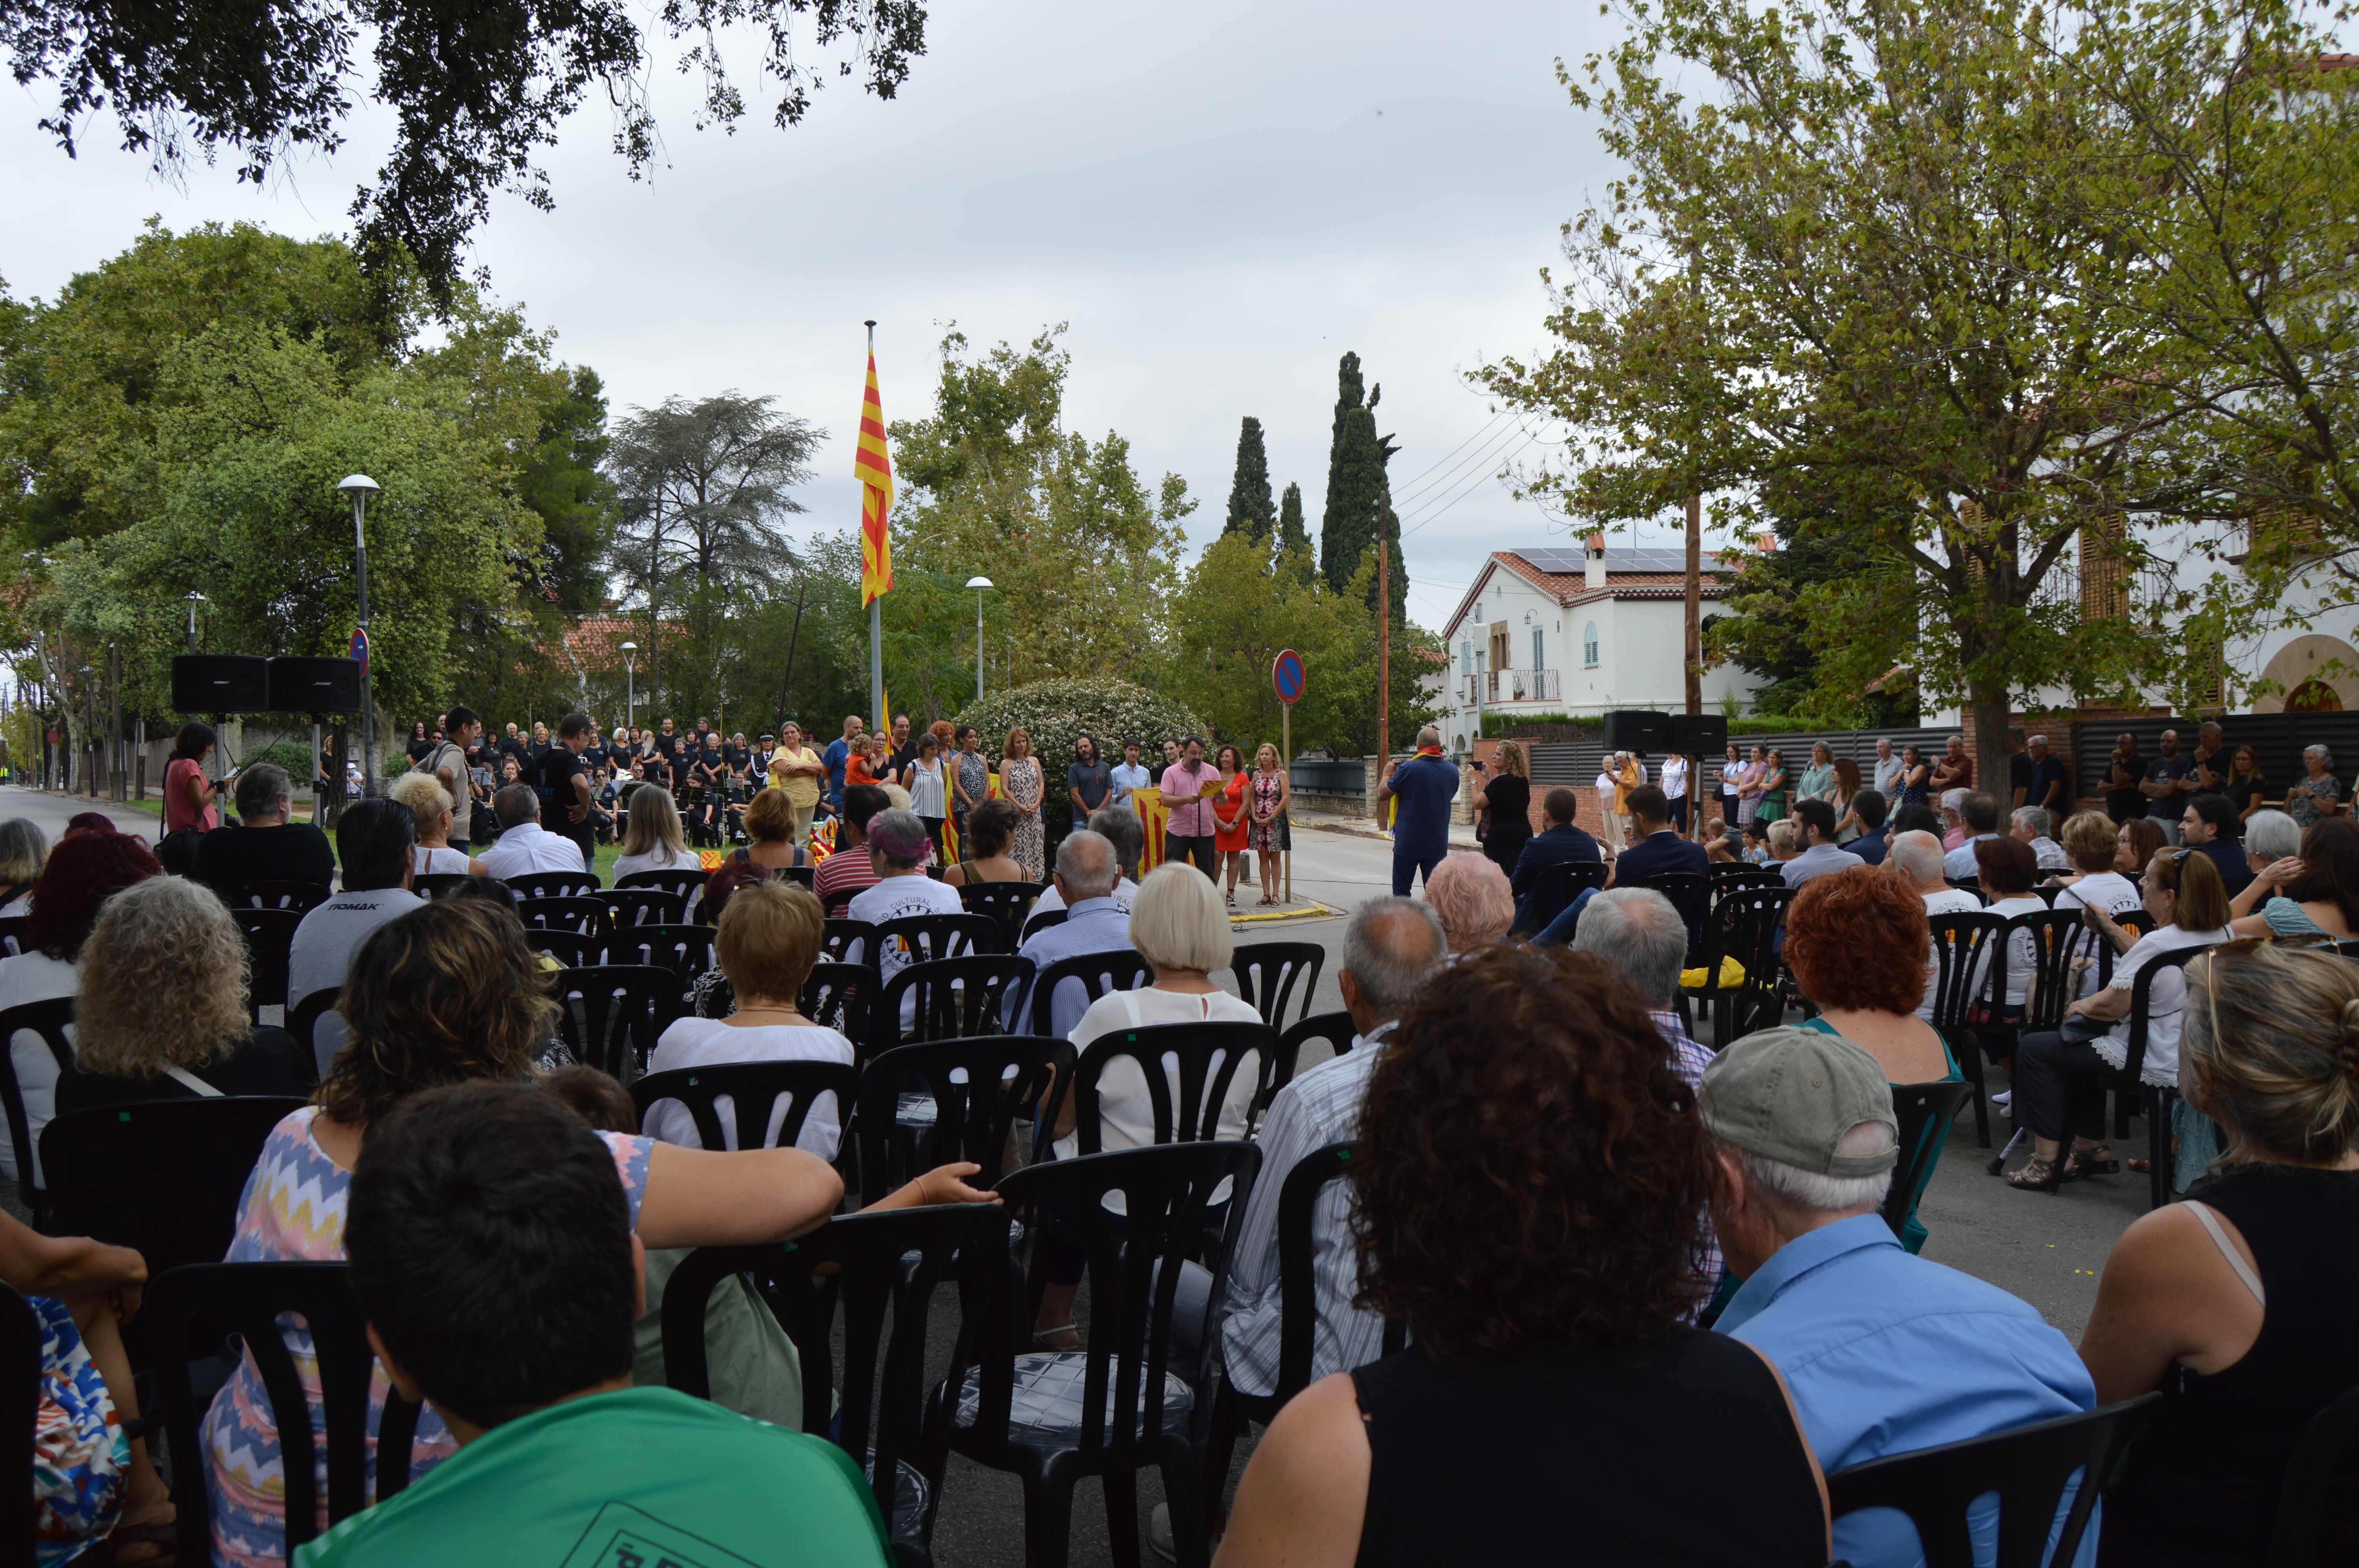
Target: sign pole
{"x": 1286, "y": 761}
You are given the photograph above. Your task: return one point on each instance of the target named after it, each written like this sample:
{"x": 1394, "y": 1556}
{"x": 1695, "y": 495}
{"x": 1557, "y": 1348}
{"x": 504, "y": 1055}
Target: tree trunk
{"x": 1992, "y": 759}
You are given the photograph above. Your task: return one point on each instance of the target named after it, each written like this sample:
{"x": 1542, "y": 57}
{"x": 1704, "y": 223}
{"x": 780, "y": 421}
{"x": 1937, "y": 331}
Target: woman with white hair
{"x": 654, "y": 840}
{"x": 1180, "y": 926}
{"x": 431, "y": 804}
{"x": 2318, "y": 793}
{"x": 1472, "y": 896}
{"x": 23, "y": 849}
{"x": 160, "y": 1013}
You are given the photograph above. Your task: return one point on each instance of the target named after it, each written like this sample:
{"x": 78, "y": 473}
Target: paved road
{"x": 51, "y": 812}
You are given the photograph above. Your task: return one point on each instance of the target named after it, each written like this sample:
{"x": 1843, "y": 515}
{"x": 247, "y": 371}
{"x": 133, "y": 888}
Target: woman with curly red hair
{"x": 1532, "y": 1176}
{"x": 1860, "y": 948}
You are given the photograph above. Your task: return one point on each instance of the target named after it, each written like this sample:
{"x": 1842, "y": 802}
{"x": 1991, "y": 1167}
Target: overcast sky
{"x": 1220, "y": 198}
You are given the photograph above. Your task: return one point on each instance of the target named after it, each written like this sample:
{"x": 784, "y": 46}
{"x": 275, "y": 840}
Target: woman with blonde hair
{"x": 2235, "y": 1303}
{"x": 23, "y": 848}
{"x": 1020, "y": 785}
{"x": 431, "y": 804}
{"x": 1504, "y": 811}
{"x": 1470, "y": 892}
{"x": 653, "y": 839}
{"x": 162, "y": 1013}
{"x": 769, "y": 829}
{"x": 1271, "y": 791}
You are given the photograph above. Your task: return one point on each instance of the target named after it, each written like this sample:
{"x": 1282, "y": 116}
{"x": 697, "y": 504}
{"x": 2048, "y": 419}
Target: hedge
{"x": 1057, "y": 713}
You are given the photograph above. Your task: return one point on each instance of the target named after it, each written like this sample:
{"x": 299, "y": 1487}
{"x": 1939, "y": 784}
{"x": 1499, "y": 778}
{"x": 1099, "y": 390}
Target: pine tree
{"x": 1356, "y": 473}
{"x": 1249, "y": 507}
{"x": 1292, "y": 536}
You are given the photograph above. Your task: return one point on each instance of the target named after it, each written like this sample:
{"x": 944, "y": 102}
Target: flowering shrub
{"x": 1057, "y": 713}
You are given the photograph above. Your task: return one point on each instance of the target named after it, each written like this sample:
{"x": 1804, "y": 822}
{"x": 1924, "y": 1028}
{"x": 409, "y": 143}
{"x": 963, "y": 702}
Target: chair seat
{"x": 914, "y": 1111}
{"x": 1047, "y": 1404}
{"x": 909, "y": 1497}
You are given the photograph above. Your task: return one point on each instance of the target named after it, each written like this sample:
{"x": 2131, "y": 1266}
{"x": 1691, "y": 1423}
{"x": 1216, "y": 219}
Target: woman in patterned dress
{"x": 1271, "y": 790}
{"x": 448, "y": 993}
{"x": 1020, "y": 782}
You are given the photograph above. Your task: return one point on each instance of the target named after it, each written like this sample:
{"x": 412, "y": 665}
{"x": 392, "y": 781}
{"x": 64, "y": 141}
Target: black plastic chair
{"x": 20, "y": 1403}
{"x": 1007, "y": 903}
{"x": 926, "y": 938}
{"x": 951, "y": 998}
{"x": 1118, "y": 969}
{"x": 1968, "y": 885}
{"x": 1278, "y": 967}
{"x": 303, "y": 1020}
{"x": 163, "y": 1177}
{"x": 1335, "y": 1028}
{"x": 841, "y": 997}
{"x": 1725, "y": 878}
{"x": 1207, "y": 1056}
{"x": 1968, "y": 953}
{"x": 569, "y": 948}
{"x": 1107, "y": 1410}
{"x": 610, "y": 1015}
{"x": 12, "y": 934}
{"x": 300, "y": 897}
{"x": 2028, "y": 1467}
{"x": 49, "y": 1020}
{"x": 1039, "y": 921}
{"x": 802, "y": 876}
{"x": 884, "y": 1268}
{"x": 2310, "y": 1477}
{"x": 252, "y": 1297}
{"x": 554, "y": 884}
{"x": 557, "y": 911}
{"x": 845, "y": 941}
{"x": 270, "y": 937}
{"x": 645, "y": 906}
{"x": 684, "y": 885}
{"x": 754, "y": 1089}
{"x": 1555, "y": 888}
{"x": 434, "y": 884}
{"x": 685, "y": 950}
{"x": 1924, "y": 1112}
{"x": 1691, "y": 894}
{"x": 2154, "y": 1099}
{"x": 1742, "y": 926}
{"x": 915, "y": 1114}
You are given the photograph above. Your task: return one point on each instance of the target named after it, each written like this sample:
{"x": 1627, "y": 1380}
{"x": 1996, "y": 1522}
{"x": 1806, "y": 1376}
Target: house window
{"x": 1538, "y": 661}
{"x": 1588, "y": 645}
{"x": 1478, "y": 609}
{"x": 1466, "y": 656}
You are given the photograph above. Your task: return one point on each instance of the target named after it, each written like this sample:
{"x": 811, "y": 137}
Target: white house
{"x": 1575, "y": 632}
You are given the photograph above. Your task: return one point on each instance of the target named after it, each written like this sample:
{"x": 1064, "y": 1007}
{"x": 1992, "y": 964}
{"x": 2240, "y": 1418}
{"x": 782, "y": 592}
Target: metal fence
{"x": 1579, "y": 761}
{"x": 2276, "y": 738}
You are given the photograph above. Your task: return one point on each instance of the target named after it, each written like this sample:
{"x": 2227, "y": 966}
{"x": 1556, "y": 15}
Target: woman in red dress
{"x": 1231, "y": 826}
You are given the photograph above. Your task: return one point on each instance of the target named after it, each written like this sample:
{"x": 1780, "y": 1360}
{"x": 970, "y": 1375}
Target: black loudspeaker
{"x": 315, "y": 686}
{"x": 220, "y": 683}
{"x": 1698, "y": 734}
{"x": 1637, "y": 729}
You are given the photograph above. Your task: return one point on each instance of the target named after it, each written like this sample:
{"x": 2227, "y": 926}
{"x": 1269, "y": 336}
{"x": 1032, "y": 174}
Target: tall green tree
{"x": 1294, "y": 549}
{"x": 1356, "y": 476}
{"x": 1249, "y": 507}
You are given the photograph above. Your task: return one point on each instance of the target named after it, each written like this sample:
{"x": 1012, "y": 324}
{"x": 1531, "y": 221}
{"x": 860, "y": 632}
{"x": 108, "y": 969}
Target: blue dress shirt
{"x": 1092, "y": 925}
{"x": 1887, "y": 1354}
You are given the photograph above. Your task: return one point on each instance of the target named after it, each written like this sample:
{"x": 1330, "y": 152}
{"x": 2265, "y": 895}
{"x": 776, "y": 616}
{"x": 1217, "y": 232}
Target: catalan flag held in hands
{"x": 874, "y": 469}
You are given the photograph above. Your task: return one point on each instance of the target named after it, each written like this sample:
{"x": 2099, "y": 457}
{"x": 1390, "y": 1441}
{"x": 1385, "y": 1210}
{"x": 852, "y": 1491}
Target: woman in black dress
{"x": 1508, "y": 806}
{"x": 1530, "y": 1177}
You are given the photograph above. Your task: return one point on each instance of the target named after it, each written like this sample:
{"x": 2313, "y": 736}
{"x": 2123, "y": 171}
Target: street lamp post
{"x": 630, "y": 686}
{"x": 359, "y": 486}
{"x": 979, "y": 584}
{"x": 195, "y": 599}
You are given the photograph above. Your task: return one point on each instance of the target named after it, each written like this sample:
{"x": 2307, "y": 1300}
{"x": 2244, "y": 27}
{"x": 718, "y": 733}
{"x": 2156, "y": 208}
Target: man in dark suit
{"x": 1657, "y": 850}
{"x": 1560, "y": 843}
{"x": 1871, "y": 807}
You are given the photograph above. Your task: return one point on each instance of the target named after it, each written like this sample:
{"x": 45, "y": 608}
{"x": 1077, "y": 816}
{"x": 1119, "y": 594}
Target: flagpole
{"x": 877, "y": 623}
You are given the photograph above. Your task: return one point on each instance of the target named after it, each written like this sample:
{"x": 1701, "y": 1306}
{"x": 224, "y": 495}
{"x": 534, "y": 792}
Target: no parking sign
{"x": 1285, "y": 675}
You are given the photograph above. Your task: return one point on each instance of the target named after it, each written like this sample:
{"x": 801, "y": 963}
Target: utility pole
{"x": 115, "y": 769}
{"x": 1383, "y": 632}
{"x": 359, "y": 486}
{"x": 1694, "y": 660}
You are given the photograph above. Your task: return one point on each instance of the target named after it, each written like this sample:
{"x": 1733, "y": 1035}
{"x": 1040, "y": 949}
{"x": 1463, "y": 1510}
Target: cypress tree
{"x": 1291, "y": 533}
{"x": 1355, "y": 472}
{"x": 1249, "y": 507}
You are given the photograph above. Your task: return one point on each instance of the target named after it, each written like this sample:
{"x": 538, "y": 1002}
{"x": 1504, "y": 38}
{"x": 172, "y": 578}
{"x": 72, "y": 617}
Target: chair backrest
{"x": 2310, "y": 1475}
{"x": 20, "y": 1403}
{"x": 12, "y": 934}
{"x": 1205, "y": 1056}
{"x": 685, "y": 885}
{"x": 1298, "y": 1287}
{"x": 2028, "y": 1467}
{"x": 1038, "y": 921}
{"x": 269, "y": 937}
{"x": 303, "y": 1017}
{"x": 927, "y": 937}
{"x": 1744, "y": 874}
{"x": 1743, "y": 927}
{"x": 610, "y": 1015}
{"x": 301, "y": 897}
{"x": 2058, "y": 938}
{"x": 1556, "y": 886}
{"x": 2046, "y": 894}
{"x": 840, "y": 996}
{"x": 1335, "y": 1028}
{"x": 2142, "y": 1002}
{"x": 1691, "y": 894}
{"x": 845, "y": 941}
{"x": 645, "y": 906}
{"x": 1968, "y": 885}
{"x": 754, "y": 1089}
{"x": 803, "y": 876}
{"x": 162, "y": 1178}
{"x": 1007, "y": 903}
{"x": 1962, "y": 953}
{"x": 554, "y": 884}
{"x": 1117, "y": 969}
{"x": 1923, "y": 1111}
{"x": 434, "y": 884}
{"x": 559, "y": 911}
{"x": 884, "y": 1268}
{"x": 685, "y": 950}
{"x": 252, "y": 1297}
{"x": 569, "y": 948}
{"x": 1134, "y": 1266}
{"x": 940, "y": 1100}
{"x": 1278, "y": 968}
{"x": 951, "y": 998}
{"x": 49, "y": 1020}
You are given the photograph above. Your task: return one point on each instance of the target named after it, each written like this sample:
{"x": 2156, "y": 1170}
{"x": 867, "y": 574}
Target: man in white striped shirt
{"x": 1390, "y": 946}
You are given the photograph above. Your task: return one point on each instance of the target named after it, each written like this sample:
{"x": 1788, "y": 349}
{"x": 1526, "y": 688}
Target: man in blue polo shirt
{"x": 839, "y": 753}
{"x": 1424, "y": 786}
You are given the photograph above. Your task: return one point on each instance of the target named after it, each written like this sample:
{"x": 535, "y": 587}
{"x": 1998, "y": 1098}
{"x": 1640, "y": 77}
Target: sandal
{"x": 2142, "y": 1166}
{"x": 2097, "y": 1162}
{"x": 1043, "y": 1338}
{"x": 2037, "y": 1175}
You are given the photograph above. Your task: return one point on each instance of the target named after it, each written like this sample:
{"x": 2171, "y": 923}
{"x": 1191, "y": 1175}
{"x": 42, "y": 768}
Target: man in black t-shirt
{"x": 2169, "y": 779}
{"x": 905, "y": 749}
{"x": 2049, "y": 786}
{"x": 562, "y": 781}
{"x": 2125, "y": 771}
{"x": 667, "y": 743}
{"x": 264, "y": 845}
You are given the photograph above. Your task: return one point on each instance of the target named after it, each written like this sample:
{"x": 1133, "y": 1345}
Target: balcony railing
{"x": 1488, "y": 686}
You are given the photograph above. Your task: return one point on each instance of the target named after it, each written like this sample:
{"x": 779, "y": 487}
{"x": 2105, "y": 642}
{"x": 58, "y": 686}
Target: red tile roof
{"x": 1569, "y": 589}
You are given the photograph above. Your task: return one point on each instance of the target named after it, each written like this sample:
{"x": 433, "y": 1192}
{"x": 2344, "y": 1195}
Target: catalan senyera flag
{"x": 873, "y": 467}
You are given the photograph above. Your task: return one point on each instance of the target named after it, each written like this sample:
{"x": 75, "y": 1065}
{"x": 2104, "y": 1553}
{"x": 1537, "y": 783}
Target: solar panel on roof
{"x": 1573, "y": 563}
{"x": 1556, "y": 560}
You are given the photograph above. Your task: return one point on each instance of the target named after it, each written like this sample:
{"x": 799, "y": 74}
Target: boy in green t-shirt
{"x": 491, "y": 1245}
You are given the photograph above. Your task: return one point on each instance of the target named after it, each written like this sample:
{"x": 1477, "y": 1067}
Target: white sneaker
{"x": 2003, "y": 1098}
{"x": 1158, "y": 1533}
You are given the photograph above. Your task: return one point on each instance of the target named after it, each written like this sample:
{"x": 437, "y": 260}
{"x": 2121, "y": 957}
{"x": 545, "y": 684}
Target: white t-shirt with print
{"x": 896, "y": 898}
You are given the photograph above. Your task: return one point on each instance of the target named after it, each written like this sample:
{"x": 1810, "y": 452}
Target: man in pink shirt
{"x": 1187, "y": 834}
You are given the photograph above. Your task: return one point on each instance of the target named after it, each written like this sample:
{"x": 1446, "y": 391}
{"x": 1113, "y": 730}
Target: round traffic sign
{"x": 1285, "y": 675}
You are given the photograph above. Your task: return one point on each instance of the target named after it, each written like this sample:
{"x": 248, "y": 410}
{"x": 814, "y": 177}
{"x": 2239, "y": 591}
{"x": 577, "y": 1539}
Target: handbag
{"x": 2080, "y": 1029}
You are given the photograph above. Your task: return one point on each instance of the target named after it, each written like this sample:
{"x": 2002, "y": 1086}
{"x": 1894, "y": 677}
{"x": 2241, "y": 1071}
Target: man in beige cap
{"x": 1883, "y": 1353}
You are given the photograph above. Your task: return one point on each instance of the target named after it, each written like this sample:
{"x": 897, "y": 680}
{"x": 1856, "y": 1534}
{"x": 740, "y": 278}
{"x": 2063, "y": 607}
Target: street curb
{"x": 1311, "y": 912}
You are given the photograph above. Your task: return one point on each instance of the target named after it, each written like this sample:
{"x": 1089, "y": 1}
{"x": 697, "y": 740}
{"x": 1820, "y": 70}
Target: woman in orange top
{"x": 1231, "y": 825}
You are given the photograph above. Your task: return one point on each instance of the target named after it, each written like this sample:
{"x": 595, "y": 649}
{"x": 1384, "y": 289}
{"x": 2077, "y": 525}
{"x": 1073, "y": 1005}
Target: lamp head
{"x": 358, "y": 482}
{"x": 981, "y": 582}
{"x": 630, "y": 647}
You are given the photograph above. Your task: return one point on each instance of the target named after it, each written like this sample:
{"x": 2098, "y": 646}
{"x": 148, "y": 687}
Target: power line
{"x": 1462, "y": 446}
{"x": 1407, "y": 498}
{"x": 1477, "y": 483}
